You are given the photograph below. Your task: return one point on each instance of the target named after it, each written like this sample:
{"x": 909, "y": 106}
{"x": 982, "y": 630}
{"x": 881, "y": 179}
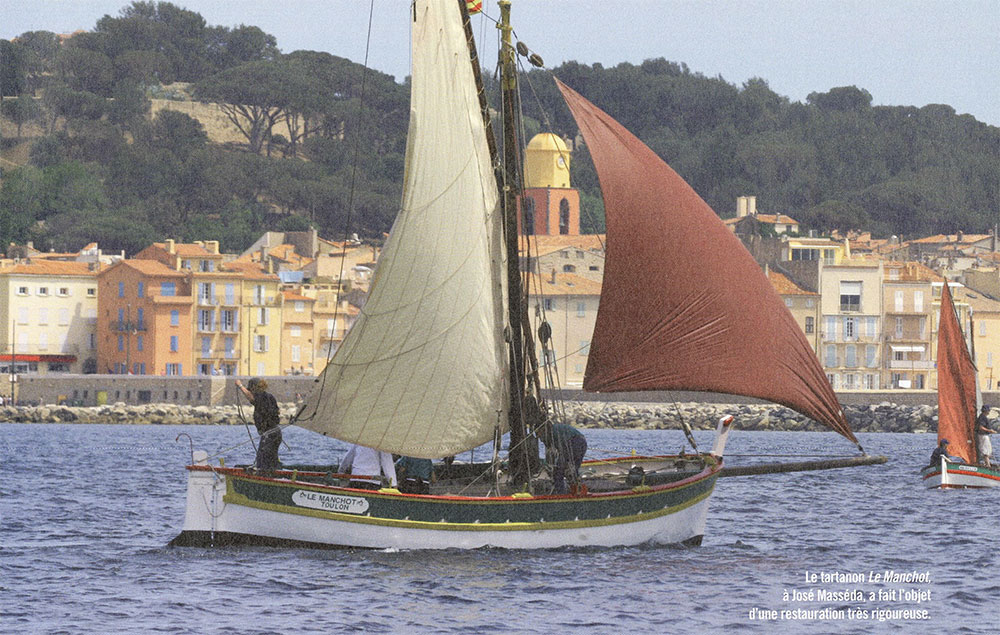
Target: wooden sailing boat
{"x": 439, "y": 363}
{"x": 958, "y": 404}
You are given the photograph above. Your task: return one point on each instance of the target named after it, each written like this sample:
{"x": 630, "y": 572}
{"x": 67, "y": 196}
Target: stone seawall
{"x": 883, "y": 417}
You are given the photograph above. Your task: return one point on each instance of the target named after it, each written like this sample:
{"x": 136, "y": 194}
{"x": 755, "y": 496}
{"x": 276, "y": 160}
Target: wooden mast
{"x": 511, "y": 189}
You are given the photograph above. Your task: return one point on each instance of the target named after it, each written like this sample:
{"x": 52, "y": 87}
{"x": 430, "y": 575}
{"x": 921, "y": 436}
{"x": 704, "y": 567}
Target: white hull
{"x": 686, "y": 525}
{"x": 211, "y": 520}
{"x": 958, "y": 475}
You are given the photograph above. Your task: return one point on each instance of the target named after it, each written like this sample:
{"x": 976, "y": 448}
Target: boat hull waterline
{"x": 960, "y": 475}
{"x": 230, "y": 506}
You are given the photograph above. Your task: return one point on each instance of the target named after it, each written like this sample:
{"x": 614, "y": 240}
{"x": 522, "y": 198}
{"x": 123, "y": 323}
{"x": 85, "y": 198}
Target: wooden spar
{"x": 801, "y": 466}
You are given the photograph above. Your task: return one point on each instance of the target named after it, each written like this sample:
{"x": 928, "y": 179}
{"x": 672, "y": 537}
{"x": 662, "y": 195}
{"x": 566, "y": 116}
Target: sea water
{"x": 86, "y": 512}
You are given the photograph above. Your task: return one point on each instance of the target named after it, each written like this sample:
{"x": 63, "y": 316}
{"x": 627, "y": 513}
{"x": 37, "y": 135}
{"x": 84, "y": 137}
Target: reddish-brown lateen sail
{"x": 956, "y": 384}
{"x": 684, "y": 306}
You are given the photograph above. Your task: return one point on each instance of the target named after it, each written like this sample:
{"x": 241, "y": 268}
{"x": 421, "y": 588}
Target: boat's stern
{"x": 204, "y": 500}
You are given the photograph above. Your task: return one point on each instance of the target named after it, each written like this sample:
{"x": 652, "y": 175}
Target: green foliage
{"x": 24, "y": 109}
{"x": 834, "y": 162}
{"x": 320, "y": 155}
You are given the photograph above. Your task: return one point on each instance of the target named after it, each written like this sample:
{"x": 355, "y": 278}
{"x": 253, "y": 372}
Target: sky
{"x": 903, "y": 52}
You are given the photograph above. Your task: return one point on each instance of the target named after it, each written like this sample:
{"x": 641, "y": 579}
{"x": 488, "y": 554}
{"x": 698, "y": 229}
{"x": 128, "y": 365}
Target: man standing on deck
{"x": 983, "y": 433}
{"x": 266, "y": 418}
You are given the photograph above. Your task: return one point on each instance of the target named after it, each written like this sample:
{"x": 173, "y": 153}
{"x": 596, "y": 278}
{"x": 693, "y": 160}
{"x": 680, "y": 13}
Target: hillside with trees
{"x": 322, "y": 141}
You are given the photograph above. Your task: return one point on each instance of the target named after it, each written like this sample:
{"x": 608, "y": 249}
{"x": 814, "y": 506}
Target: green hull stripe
{"x": 527, "y": 514}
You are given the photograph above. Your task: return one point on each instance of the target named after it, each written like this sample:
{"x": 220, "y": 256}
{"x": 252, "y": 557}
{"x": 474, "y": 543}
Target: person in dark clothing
{"x": 942, "y": 450}
{"x": 266, "y": 418}
{"x": 564, "y": 450}
{"x": 983, "y": 432}
{"x": 414, "y": 475}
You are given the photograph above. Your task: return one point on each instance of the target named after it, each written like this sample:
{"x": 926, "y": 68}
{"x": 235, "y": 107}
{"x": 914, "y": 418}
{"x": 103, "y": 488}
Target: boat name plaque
{"x": 330, "y": 502}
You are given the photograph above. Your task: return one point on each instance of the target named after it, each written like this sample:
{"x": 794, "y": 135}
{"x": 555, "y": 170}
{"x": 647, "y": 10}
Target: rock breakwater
{"x": 883, "y": 417}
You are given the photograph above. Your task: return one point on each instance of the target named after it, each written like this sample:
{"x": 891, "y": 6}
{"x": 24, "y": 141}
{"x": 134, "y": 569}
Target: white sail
{"x": 422, "y": 372}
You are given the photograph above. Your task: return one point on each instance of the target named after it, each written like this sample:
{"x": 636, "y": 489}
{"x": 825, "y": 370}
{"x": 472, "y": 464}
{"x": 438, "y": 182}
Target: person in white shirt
{"x": 369, "y": 465}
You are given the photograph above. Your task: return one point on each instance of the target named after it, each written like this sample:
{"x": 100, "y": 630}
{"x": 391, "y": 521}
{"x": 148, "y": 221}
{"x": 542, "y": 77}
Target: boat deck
{"x": 477, "y": 480}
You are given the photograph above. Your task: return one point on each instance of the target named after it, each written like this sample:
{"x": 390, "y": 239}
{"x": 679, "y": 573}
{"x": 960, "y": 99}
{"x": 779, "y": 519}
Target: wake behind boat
{"x": 441, "y": 361}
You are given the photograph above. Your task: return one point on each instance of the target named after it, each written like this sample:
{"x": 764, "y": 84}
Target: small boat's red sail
{"x": 684, "y": 306}
{"x": 956, "y": 384}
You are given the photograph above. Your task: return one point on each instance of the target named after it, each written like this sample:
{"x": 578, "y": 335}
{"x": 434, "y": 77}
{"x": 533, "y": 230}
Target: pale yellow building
{"x": 581, "y": 254}
{"x": 852, "y": 310}
{"x": 568, "y": 302}
{"x": 909, "y": 313}
{"x": 985, "y": 335}
{"x": 331, "y": 322}
{"x": 802, "y": 304}
{"x": 297, "y": 334}
{"x": 48, "y": 317}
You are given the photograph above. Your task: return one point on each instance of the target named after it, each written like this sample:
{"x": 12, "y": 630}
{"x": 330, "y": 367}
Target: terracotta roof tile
{"x": 784, "y": 286}
{"x": 543, "y": 245}
{"x": 565, "y": 284}
{"x": 50, "y": 268}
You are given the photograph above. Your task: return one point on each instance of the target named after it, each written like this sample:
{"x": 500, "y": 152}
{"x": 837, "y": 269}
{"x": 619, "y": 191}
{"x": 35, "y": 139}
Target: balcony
{"x": 906, "y": 364}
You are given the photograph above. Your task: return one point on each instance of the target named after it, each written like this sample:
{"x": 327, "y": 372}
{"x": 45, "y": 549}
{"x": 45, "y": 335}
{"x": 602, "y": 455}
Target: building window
{"x": 229, "y": 320}
{"x": 584, "y": 347}
{"x": 918, "y": 301}
{"x": 296, "y": 353}
{"x": 982, "y": 328}
{"x": 138, "y": 342}
{"x": 121, "y": 289}
{"x": 175, "y": 318}
{"x": 22, "y": 291}
{"x": 121, "y": 342}
{"x": 810, "y": 325}
{"x": 851, "y": 356}
{"x": 870, "y": 326}
{"x": 63, "y": 317}
{"x": 174, "y": 369}
{"x": 262, "y": 316}
{"x": 43, "y": 316}
{"x": 168, "y": 289}
{"x": 549, "y": 304}
{"x": 300, "y": 306}
{"x": 296, "y": 331}
{"x": 569, "y": 268}
{"x": 899, "y": 301}
{"x": 563, "y": 216}
{"x": 850, "y": 296}
{"x": 230, "y": 293}
{"x": 528, "y": 216}
{"x": 899, "y": 327}
{"x": 581, "y": 309}
{"x": 831, "y": 328}
{"x": 92, "y": 292}
{"x": 141, "y": 292}
{"x": 206, "y": 346}
{"x": 870, "y": 351}
{"x": 850, "y": 329}
{"x": 63, "y": 292}
{"x": 830, "y": 361}
{"x": 206, "y": 319}
{"x": 173, "y": 344}
{"x": 260, "y": 344}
